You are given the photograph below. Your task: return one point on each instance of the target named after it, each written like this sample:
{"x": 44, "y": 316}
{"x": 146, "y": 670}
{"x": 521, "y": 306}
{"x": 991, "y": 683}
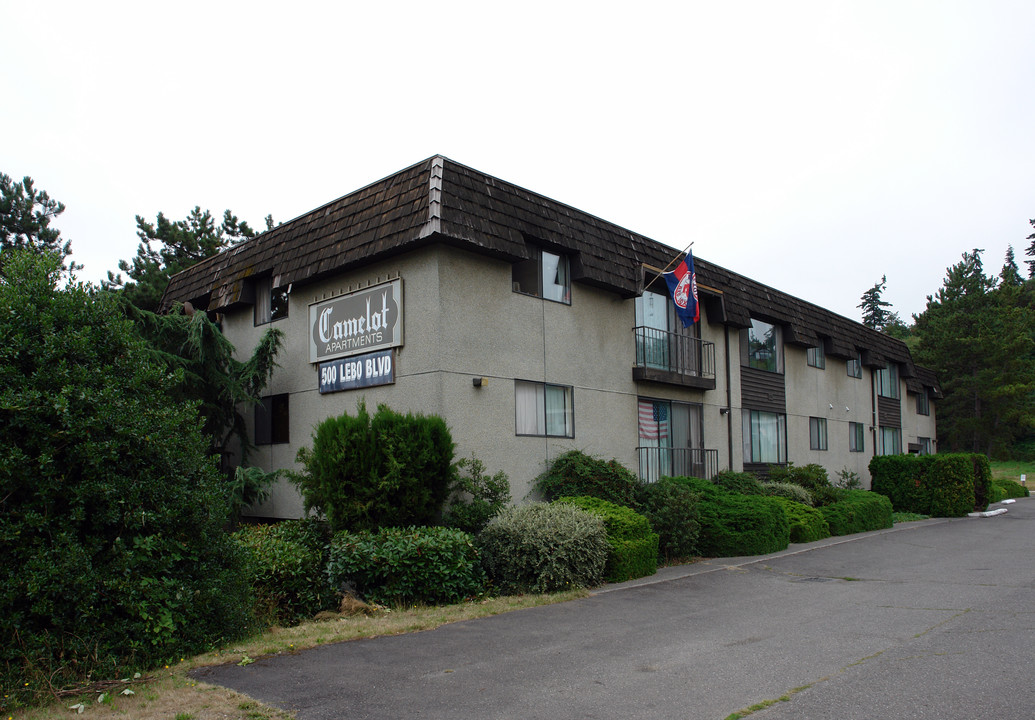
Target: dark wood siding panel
{"x": 761, "y": 390}
{"x": 890, "y": 412}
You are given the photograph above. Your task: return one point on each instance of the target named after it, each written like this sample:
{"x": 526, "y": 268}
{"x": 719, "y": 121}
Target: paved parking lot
{"x": 926, "y": 620}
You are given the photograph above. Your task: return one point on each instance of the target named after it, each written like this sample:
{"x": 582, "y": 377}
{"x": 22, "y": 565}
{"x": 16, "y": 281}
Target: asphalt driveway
{"x": 934, "y": 619}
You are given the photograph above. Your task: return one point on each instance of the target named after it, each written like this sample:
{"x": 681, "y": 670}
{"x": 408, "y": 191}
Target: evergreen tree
{"x": 167, "y": 247}
{"x": 1030, "y": 252}
{"x": 25, "y": 216}
{"x": 1010, "y": 274}
{"x": 873, "y": 313}
{"x": 978, "y": 338}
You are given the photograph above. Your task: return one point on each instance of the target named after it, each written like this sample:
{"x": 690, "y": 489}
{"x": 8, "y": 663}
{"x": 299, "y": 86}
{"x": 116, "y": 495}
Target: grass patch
{"x": 169, "y": 692}
{"x": 1012, "y": 469}
{"x": 901, "y": 517}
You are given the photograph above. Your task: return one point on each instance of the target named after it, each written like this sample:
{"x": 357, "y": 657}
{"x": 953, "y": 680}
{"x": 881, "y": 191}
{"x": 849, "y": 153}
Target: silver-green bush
{"x": 539, "y": 547}
{"x": 788, "y": 490}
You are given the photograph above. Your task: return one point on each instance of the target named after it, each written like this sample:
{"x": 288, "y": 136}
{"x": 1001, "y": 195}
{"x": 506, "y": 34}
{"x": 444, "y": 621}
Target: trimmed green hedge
{"x": 1002, "y": 489}
{"x": 806, "y": 522}
{"x": 433, "y": 565}
{"x": 575, "y": 474}
{"x": 735, "y": 525}
{"x": 860, "y": 511}
{"x": 943, "y": 485}
{"x": 542, "y": 547}
{"x": 634, "y": 546}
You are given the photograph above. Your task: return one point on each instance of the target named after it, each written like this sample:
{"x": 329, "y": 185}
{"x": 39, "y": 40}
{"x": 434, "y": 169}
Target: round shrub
{"x": 387, "y": 470}
{"x": 575, "y": 474}
{"x": 671, "y": 508}
{"x": 634, "y": 546}
{"x": 788, "y": 490}
{"x": 1003, "y": 488}
{"x": 738, "y": 482}
{"x": 541, "y": 547}
{"x": 811, "y": 476}
{"x": 288, "y": 562}
{"x": 735, "y": 525}
{"x": 859, "y": 511}
{"x": 112, "y": 535}
{"x": 806, "y": 523}
{"x": 403, "y": 566}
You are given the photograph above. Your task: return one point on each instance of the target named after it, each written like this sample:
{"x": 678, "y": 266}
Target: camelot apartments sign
{"x": 359, "y": 322}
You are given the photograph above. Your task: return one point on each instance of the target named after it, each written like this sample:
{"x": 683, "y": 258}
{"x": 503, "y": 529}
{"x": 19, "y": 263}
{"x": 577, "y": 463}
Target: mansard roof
{"x": 440, "y": 201}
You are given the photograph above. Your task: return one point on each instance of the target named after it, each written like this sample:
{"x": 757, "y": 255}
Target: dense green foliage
{"x": 873, "y": 306}
{"x": 474, "y": 497}
{"x": 634, "y": 546}
{"x": 576, "y": 474}
{"x": 806, "y": 522}
{"x": 789, "y": 491}
{"x": 904, "y": 480}
{"x": 113, "y": 543}
{"x": 287, "y": 569}
{"x": 1003, "y": 489}
{"x": 544, "y": 547}
{"x": 859, "y": 511}
{"x": 734, "y": 525}
{"x": 943, "y": 485}
{"x": 671, "y": 508}
{"x": 365, "y": 472}
{"x": 25, "y": 215}
{"x": 169, "y": 246}
{"x": 744, "y": 483}
{"x": 810, "y": 477}
{"x": 405, "y": 566}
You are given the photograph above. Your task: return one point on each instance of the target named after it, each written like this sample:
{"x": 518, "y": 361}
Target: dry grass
{"x": 170, "y": 694}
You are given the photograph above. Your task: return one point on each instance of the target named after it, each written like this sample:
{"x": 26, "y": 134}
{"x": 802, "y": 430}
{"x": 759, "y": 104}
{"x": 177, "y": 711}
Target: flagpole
{"x": 685, "y": 251}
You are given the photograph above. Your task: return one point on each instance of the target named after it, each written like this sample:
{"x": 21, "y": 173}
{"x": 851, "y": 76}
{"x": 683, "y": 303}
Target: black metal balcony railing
{"x": 671, "y": 357}
{"x": 657, "y": 462}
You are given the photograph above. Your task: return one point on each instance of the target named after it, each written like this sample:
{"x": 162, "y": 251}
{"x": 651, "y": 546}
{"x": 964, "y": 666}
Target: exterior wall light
{"x": 480, "y": 382}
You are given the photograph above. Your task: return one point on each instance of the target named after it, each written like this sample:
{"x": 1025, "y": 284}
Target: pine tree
{"x": 1010, "y": 274}
{"x": 25, "y": 216}
{"x": 1030, "y": 252}
{"x": 873, "y": 313}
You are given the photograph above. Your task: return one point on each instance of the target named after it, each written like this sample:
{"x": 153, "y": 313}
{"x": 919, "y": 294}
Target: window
{"x": 855, "y": 367}
{"x": 817, "y": 433}
{"x": 923, "y": 404}
{"x": 856, "y": 437}
{"x": 272, "y": 420}
{"x": 652, "y": 336}
{"x": 671, "y": 439}
{"x": 765, "y": 437}
{"x": 542, "y": 409}
{"x": 764, "y": 348}
{"x": 887, "y": 381}
{"x": 816, "y": 357}
{"x": 270, "y": 303}
{"x": 890, "y": 440}
{"x": 925, "y": 445}
{"x": 543, "y": 275}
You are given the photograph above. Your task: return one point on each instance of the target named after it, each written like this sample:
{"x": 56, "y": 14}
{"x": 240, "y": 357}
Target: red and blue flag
{"x": 682, "y": 286}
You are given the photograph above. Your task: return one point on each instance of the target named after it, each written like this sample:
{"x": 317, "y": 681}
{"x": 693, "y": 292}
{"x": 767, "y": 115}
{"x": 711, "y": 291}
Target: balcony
{"x": 673, "y": 358}
{"x": 658, "y": 462}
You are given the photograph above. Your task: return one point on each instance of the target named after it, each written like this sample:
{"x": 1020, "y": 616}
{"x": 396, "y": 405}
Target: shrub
{"x": 1001, "y": 489}
{"x": 904, "y": 480}
{"x": 739, "y": 482}
{"x": 575, "y": 474}
{"x": 952, "y": 485}
{"x": 671, "y": 508}
{"x": 474, "y": 497}
{"x": 114, "y": 549}
{"x": 735, "y": 525}
{"x": 410, "y": 565}
{"x": 634, "y": 546}
{"x": 806, "y": 523}
{"x": 387, "y": 470}
{"x": 828, "y": 495}
{"x": 982, "y": 481}
{"x": 541, "y": 547}
{"x": 789, "y": 491}
{"x": 288, "y": 563}
{"x": 810, "y": 476}
{"x": 943, "y": 485}
{"x": 860, "y": 511}
{"x": 848, "y": 479}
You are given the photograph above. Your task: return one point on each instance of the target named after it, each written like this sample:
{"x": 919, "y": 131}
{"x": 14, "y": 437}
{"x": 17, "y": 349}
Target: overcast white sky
{"x": 812, "y": 146}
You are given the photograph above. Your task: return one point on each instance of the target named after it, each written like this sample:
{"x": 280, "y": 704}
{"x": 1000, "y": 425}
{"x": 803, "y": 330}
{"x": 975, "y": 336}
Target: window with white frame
{"x": 544, "y": 275}
{"x": 815, "y": 357}
{"x": 856, "y": 437}
{"x": 270, "y": 303}
{"x": 855, "y": 367}
{"x": 887, "y": 381}
{"x": 923, "y": 403}
{"x": 764, "y": 346}
{"x": 817, "y": 433}
{"x": 543, "y": 409}
{"x": 765, "y": 437}
{"x": 890, "y": 440}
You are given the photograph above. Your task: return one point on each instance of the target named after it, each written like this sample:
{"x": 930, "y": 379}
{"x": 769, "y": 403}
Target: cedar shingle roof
{"x": 438, "y": 200}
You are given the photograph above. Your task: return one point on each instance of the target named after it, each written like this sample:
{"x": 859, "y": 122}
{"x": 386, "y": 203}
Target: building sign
{"x": 356, "y": 323}
{"x": 357, "y": 372}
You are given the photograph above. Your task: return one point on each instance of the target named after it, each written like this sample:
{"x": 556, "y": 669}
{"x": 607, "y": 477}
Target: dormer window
{"x": 270, "y": 303}
{"x": 545, "y": 275}
{"x": 764, "y": 346}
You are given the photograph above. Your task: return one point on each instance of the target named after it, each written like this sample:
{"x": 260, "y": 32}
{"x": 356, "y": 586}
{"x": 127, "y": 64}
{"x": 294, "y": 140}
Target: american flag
{"x": 653, "y": 420}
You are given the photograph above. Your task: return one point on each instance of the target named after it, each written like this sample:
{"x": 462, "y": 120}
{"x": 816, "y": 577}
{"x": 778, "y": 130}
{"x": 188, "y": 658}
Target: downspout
{"x": 874, "y": 418}
{"x": 729, "y": 403}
